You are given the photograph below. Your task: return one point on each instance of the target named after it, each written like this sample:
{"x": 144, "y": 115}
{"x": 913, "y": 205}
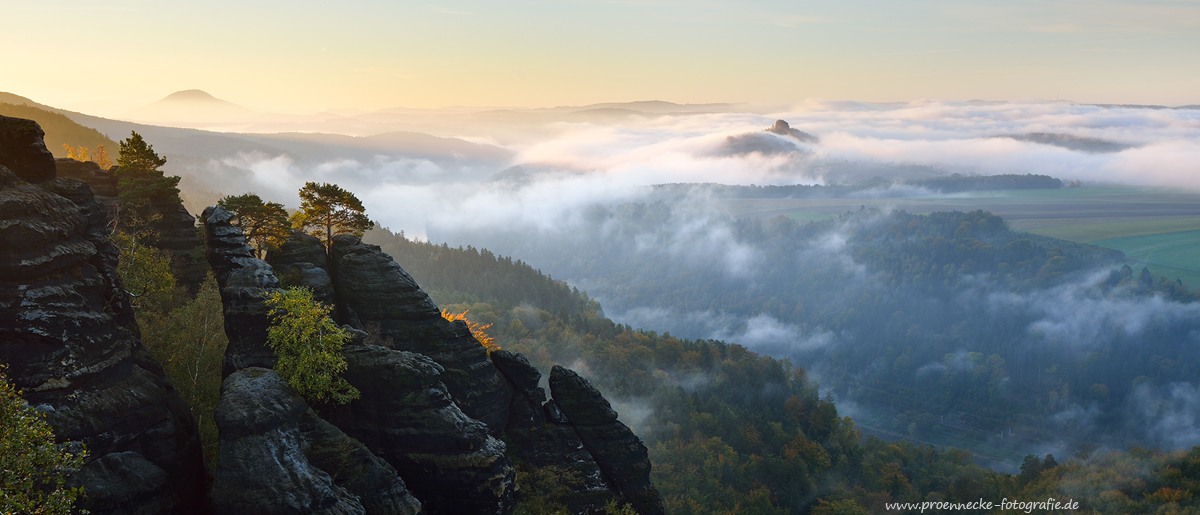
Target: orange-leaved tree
{"x": 477, "y": 330}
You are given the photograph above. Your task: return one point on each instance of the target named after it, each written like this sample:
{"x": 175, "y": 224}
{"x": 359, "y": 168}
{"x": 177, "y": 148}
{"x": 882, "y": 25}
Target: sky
{"x": 304, "y": 56}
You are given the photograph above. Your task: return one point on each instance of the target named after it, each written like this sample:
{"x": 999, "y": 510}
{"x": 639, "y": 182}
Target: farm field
{"x": 1157, "y": 228}
{"x": 1066, "y": 206}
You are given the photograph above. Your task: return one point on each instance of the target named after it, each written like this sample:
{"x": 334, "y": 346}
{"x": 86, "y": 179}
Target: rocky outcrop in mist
{"x": 782, "y": 128}
{"x": 373, "y": 290}
{"x": 425, "y": 436}
{"x": 70, "y": 342}
{"x": 620, "y": 454}
{"x": 433, "y": 404}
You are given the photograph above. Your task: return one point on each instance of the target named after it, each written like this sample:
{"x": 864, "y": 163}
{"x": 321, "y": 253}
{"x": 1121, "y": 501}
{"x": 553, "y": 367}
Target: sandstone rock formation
{"x": 176, "y": 233}
{"x": 264, "y": 424}
{"x": 542, "y": 441}
{"x": 23, "y": 150}
{"x": 407, "y": 416}
{"x": 372, "y": 289}
{"x": 621, "y": 455}
{"x": 245, "y": 282}
{"x": 175, "y": 229}
{"x": 69, "y": 339}
{"x": 302, "y": 261}
{"x": 103, "y": 182}
{"x": 783, "y": 129}
{"x": 432, "y": 404}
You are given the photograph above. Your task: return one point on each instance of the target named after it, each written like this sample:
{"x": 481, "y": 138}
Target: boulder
{"x": 621, "y": 455}
{"x": 23, "y": 151}
{"x": 372, "y": 289}
{"x": 125, "y": 482}
{"x": 68, "y": 336}
{"x": 263, "y": 424}
{"x": 407, "y": 416}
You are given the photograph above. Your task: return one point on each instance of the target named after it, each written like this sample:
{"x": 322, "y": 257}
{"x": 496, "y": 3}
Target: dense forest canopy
{"x": 876, "y": 186}
{"x": 730, "y": 429}
{"x": 947, "y": 328}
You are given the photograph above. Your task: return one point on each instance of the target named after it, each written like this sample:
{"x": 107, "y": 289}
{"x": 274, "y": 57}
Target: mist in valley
{"x": 575, "y": 199}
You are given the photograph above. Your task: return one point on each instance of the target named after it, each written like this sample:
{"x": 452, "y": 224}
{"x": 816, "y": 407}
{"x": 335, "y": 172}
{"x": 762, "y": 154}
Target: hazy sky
{"x": 306, "y": 56}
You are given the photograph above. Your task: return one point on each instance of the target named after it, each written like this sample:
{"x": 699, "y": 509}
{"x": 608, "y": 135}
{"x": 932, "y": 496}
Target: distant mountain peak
{"x": 190, "y": 95}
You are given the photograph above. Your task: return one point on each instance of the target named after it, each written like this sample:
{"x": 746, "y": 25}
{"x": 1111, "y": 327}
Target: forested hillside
{"x": 731, "y": 430}
{"x": 949, "y": 184}
{"x": 59, "y": 129}
{"x": 948, "y": 328}
{"x": 728, "y": 429}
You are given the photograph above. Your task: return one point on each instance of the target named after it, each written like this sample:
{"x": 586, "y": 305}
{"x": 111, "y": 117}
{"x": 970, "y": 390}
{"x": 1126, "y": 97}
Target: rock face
{"x": 372, "y": 289}
{"x": 70, "y": 341}
{"x": 302, "y": 261}
{"x": 407, "y": 416}
{"x": 23, "y": 150}
{"x": 245, "y": 282}
{"x": 177, "y": 235}
{"x": 622, "y": 457}
{"x": 103, "y": 182}
{"x": 541, "y": 441}
{"x": 176, "y": 229}
{"x": 263, "y": 424}
{"x": 432, "y": 404}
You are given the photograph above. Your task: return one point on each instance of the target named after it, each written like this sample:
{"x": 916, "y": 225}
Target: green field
{"x": 808, "y": 216}
{"x": 1168, "y": 247}
{"x": 1156, "y": 228}
{"x": 1178, "y": 253}
{"x": 1107, "y": 231}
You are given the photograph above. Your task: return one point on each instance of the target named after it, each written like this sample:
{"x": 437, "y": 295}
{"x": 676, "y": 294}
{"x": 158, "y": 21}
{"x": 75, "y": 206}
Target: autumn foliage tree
{"x": 265, "y": 224}
{"x": 327, "y": 210}
{"x": 479, "y": 331}
{"x": 81, "y": 153}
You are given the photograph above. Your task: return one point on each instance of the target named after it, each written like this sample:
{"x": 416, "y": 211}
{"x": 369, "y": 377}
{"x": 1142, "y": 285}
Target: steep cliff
{"x": 539, "y": 439}
{"x": 621, "y": 455}
{"x": 407, "y": 416}
{"x": 373, "y": 289}
{"x": 263, "y": 424}
{"x": 69, "y": 339}
{"x": 175, "y": 229}
{"x": 245, "y": 282}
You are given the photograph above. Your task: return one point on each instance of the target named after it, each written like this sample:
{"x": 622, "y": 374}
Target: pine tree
{"x": 143, "y": 189}
{"x": 327, "y": 210}
{"x": 265, "y": 224}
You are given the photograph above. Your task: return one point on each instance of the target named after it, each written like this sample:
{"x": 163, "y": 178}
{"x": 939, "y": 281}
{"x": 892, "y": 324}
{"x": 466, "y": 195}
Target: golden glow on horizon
{"x": 373, "y": 55}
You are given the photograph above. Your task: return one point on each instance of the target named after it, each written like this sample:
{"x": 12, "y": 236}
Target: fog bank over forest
{"x": 979, "y": 327}
{"x": 567, "y": 161}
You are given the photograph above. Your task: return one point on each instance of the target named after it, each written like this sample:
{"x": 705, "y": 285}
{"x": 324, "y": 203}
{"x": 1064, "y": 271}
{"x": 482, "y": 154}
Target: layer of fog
{"x": 604, "y": 161}
{"x": 536, "y": 213}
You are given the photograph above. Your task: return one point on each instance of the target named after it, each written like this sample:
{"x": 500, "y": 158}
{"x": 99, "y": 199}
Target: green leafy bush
{"x": 32, "y": 468}
{"x": 309, "y": 346}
